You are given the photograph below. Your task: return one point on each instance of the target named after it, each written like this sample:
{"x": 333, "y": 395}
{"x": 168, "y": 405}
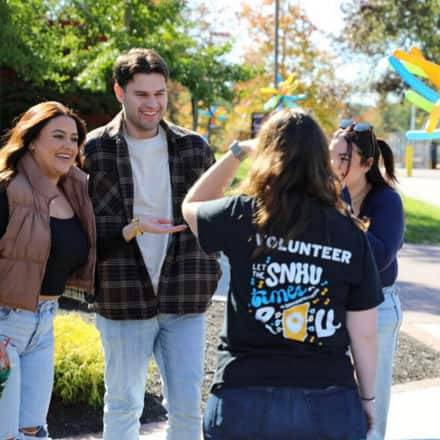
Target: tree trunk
{"x": 209, "y": 130}
{"x": 195, "y": 113}
{"x": 127, "y": 15}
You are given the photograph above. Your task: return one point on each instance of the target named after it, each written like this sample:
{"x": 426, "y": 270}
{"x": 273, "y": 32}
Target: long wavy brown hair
{"x": 27, "y": 129}
{"x": 290, "y": 171}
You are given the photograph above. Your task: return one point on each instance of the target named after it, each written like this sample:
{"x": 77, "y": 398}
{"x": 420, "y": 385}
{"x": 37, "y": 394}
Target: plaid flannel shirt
{"x": 123, "y": 287}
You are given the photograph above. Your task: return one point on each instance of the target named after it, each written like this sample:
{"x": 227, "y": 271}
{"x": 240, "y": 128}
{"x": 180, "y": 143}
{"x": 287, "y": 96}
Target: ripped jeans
{"x": 26, "y": 397}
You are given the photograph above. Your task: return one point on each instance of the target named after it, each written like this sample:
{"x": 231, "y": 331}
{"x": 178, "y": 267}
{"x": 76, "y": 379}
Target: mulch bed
{"x": 66, "y": 421}
{"x": 414, "y": 361}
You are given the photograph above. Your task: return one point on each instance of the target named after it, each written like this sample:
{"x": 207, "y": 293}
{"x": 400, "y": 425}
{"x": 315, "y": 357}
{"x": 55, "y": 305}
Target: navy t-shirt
{"x": 383, "y": 206}
{"x": 285, "y": 323}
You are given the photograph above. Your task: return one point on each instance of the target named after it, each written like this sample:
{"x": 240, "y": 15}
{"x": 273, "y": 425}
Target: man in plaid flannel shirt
{"x": 153, "y": 281}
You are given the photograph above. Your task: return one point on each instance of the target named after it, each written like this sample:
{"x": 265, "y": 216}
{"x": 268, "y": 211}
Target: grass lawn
{"x": 422, "y": 222}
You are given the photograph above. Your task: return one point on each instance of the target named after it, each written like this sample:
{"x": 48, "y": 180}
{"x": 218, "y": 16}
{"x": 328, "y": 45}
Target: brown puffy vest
{"x": 25, "y": 246}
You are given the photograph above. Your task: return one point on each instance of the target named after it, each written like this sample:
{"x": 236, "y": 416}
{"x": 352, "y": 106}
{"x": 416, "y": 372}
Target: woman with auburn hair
{"x": 356, "y": 157}
{"x": 47, "y": 241}
{"x": 303, "y": 287}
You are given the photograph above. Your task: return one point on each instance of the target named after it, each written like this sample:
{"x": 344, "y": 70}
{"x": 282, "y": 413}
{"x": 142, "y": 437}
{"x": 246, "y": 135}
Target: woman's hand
{"x": 369, "y": 407}
{"x": 4, "y": 358}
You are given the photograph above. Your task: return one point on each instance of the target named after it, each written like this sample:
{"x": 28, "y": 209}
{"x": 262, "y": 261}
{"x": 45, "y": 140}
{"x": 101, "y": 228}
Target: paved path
{"x": 151, "y": 431}
{"x": 423, "y": 185}
{"x": 414, "y": 411}
{"x": 419, "y": 280}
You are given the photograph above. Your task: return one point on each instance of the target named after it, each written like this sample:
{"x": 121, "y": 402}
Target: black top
{"x": 285, "y": 323}
{"x": 69, "y": 249}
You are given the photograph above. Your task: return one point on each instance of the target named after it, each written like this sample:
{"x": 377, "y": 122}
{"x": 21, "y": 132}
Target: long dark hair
{"x": 27, "y": 129}
{"x": 290, "y": 171}
{"x": 369, "y": 146}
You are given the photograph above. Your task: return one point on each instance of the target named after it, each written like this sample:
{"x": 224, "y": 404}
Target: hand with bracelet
{"x": 369, "y": 407}
{"x": 150, "y": 224}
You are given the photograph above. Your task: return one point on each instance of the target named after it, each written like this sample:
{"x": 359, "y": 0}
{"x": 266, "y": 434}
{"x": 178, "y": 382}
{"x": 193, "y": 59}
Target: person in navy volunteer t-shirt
{"x": 304, "y": 286}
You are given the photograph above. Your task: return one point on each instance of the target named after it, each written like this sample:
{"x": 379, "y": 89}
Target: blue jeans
{"x": 389, "y": 319}
{"x": 26, "y": 397}
{"x": 264, "y": 413}
{"x": 178, "y": 345}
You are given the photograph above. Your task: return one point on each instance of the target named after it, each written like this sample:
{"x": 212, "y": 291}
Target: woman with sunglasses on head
{"x": 303, "y": 284}
{"x": 47, "y": 241}
{"x": 356, "y": 157}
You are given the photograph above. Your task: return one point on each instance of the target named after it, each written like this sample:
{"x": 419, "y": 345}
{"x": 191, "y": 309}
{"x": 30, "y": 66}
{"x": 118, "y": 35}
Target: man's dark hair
{"x": 138, "y": 61}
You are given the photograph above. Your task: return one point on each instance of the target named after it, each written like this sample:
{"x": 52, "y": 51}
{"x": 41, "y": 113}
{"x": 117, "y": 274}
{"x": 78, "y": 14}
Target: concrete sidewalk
{"x": 414, "y": 411}
{"x": 419, "y": 282}
{"x": 151, "y": 431}
{"x": 422, "y": 185}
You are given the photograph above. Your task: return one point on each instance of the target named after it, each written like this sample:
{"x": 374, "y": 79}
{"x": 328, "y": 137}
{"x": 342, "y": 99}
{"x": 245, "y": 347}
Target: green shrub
{"x": 79, "y": 361}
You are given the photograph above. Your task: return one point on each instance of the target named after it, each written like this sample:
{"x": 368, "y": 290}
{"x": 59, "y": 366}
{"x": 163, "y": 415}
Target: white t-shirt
{"x": 152, "y": 195}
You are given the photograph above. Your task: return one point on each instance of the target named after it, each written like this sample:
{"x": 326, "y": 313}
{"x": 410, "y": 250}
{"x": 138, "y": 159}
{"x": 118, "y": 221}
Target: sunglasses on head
{"x": 358, "y": 127}
{"x": 364, "y": 137}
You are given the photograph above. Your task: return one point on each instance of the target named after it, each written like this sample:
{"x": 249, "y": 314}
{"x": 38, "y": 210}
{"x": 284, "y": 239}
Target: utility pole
{"x": 277, "y": 19}
{"x": 409, "y": 150}
{"x": 412, "y": 122}
{"x": 127, "y": 15}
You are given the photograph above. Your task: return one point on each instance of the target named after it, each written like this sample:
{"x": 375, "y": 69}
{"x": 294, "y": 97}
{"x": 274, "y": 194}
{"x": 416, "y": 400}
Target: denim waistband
{"x": 390, "y": 289}
{"x": 50, "y": 305}
{"x": 271, "y": 389}
{"x": 47, "y": 304}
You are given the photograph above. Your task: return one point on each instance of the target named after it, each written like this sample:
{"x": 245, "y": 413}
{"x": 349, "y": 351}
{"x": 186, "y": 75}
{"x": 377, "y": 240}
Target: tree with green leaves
{"x": 71, "y": 45}
{"x": 377, "y": 26}
{"x": 74, "y": 42}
